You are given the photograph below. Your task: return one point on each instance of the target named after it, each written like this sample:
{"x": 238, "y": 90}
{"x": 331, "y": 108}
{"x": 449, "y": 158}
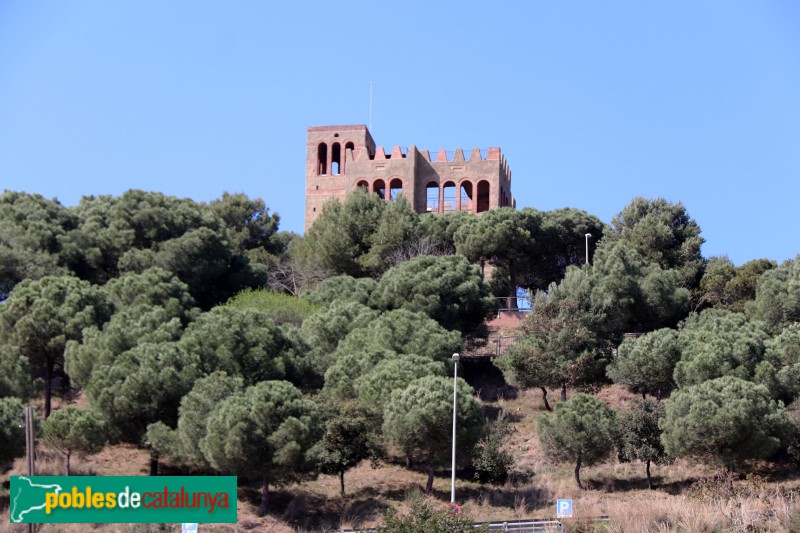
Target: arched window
{"x": 432, "y": 197}
{"x": 483, "y": 196}
{"x": 336, "y": 158}
{"x": 352, "y": 148}
{"x": 362, "y": 185}
{"x": 379, "y": 188}
{"x": 448, "y": 197}
{"x": 466, "y": 196}
{"x": 395, "y": 189}
{"x": 322, "y": 159}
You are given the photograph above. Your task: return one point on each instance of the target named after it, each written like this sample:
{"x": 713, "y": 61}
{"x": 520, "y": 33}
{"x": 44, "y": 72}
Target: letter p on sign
{"x": 563, "y": 508}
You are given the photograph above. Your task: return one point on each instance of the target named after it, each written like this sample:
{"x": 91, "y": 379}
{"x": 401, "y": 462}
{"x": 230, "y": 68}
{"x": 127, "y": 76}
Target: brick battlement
{"x": 442, "y": 156}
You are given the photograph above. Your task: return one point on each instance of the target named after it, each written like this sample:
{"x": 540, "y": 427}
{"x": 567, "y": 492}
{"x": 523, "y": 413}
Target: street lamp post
{"x": 587, "y": 247}
{"x": 453, "y": 481}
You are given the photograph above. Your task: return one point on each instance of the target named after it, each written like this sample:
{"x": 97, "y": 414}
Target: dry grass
{"x": 616, "y": 490}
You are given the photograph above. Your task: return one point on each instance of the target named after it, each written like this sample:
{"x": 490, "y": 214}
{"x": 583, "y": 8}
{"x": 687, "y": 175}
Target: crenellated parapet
{"x": 442, "y": 155}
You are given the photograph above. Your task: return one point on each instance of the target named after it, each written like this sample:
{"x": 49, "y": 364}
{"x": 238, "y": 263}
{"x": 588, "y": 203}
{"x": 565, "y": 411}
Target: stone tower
{"x": 340, "y": 159}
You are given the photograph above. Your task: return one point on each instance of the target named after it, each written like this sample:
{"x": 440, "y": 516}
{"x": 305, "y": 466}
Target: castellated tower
{"x": 340, "y": 159}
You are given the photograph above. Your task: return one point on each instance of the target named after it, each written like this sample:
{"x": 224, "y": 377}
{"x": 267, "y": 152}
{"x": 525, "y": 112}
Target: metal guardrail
{"x": 489, "y": 347}
{"x": 512, "y": 526}
{"x": 525, "y": 526}
{"x": 522, "y": 303}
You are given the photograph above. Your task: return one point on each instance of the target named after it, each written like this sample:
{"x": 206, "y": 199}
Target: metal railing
{"x": 520, "y": 303}
{"x": 524, "y": 526}
{"x": 488, "y": 347}
{"x": 516, "y": 526}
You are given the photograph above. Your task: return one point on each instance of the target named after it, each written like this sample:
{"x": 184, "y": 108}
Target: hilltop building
{"x": 341, "y": 159}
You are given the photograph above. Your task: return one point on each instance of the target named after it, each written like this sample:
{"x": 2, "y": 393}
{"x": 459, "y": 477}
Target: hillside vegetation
{"x": 650, "y": 385}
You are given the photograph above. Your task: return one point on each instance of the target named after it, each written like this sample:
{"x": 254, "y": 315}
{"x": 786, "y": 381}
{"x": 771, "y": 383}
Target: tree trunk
{"x": 658, "y": 394}
{"x": 341, "y": 481}
{"x": 264, "y": 507}
{"x": 544, "y": 397}
{"x": 429, "y": 484}
{"x": 649, "y": 480}
{"x": 512, "y": 285}
{"x": 644, "y": 394}
{"x": 48, "y": 387}
{"x": 153, "y": 463}
{"x": 67, "y": 455}
{"x": 563, "y": 391}
{"x": 578, "y": 472}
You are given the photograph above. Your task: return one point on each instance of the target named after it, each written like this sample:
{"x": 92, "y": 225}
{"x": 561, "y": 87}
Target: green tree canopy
{"x": 725, "y": 286}
{"x": 560, "y": 341}
{"x": 127, "y": 329}
{"x": 375, "y": 386}
{"x": 142, "y": 386}
{"x": 503, "y": 237}
{"x": 777, "y": 299}
{"x": 156, "y": 287}
{"x": 351, "y": 435}
{"x": 111, "y": 226}
{"x": 341, "y": 289}
{"x": 202, "y": 259}
{"x": 138, "y": 230}
{"x": 647, "y": 364}
{"x": 196, "y": 406}
{"x": 347, "y": 367}
{"x": 32, "y": 231}
{"x": 783, "y": 353}
{"x": 447, "y": 289}
{"x": 719, "y": 343}
{"x": 403, "y": 332}
{"x": 399, "y": 225}
{"x": 641, "y": 436}
{"x": 153, "y": 306}
{"x": 439, "y": 231}
{"x": 242, "y": 342}
{"x": 581, "y": 430}
{"x": 251, "y": 229}
{"x": 635, "y": 293}
{"x": 561, "y": 242}
{"x": 726, "y": 418}
{"x": 664, "y": 233}
{"x": 342, "y": 235}
{"x": 41, "y": 316}
{"x": 70, "y": 430}
{"x": 264, "y": 433}
{"x": 323, "y": 330}
{"x": 418, "y": 420}
{"x": 12, "y": 432}
{"x": 15, "y": 373}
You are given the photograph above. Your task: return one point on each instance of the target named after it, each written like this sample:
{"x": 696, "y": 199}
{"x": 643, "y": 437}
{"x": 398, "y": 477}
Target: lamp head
{"x": 456, "y": 357}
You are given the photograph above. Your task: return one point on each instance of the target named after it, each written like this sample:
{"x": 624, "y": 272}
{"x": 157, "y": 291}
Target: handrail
{"x": 528, "y": 525}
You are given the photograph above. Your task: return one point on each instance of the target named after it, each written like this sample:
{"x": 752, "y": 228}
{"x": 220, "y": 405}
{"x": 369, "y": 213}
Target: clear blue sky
{"x": 592, "y": 102}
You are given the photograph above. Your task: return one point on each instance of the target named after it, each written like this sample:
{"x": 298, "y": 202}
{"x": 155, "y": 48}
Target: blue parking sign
{"x": 563, "y": 508}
